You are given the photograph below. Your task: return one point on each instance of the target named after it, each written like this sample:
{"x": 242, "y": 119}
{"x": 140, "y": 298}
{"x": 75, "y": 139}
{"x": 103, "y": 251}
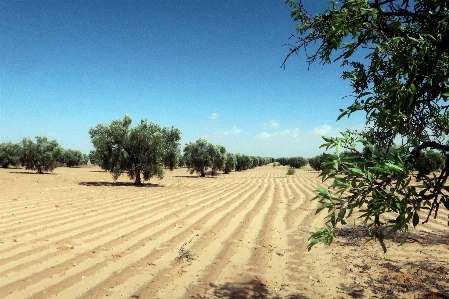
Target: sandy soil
{"x": 76, "y": 234}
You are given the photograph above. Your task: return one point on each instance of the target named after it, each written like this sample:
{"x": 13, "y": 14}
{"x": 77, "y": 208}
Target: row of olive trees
{"x": 140, "y": 151}
{"x": 201, "y": 155}
{"x": 295, "y": 162}
{"x": 245, "y": 162}
{"x": 42, "y": 155}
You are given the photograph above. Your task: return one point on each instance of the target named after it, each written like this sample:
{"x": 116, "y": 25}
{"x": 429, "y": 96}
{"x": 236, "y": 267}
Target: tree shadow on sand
{"x": 399, "y": 279}
{"x": 352, "y": 291}
{"x": 26, "y": 172}
{"x": 195, "y": 177}
{"x": 394, "y": 278}
{"x": 357, "y": 235}
{"x": 118, "y": 184}
{"x": 253, "y": 289}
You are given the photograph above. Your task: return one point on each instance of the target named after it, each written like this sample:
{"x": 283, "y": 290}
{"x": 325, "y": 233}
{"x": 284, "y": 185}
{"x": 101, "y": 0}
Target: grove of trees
{"x": 41, "y": 155}
{"x": 395, "y": 55}
{"x": 295, "y": 162}
{"x": 201, "y": 155}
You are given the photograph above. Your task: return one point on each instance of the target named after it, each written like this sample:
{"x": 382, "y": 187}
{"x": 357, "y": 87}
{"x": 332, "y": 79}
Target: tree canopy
{"x": 71, "y": 157}
{"x": 395, "y": 55}
{"x": 42, "y": 155}
{"x": 201, "y": 155}
{"x": 143, "y": 150}
{"x": 9, "y": 154}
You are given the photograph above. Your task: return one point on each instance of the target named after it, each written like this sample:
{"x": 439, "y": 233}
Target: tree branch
{"x": 432, "y": 144}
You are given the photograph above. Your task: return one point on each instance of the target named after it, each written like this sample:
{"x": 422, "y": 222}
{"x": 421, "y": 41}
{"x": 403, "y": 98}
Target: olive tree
{"x": 9, "y": 154}
{"x": 244, "y": 162}
{"x": 316, "y": 162}
{"x": 172, "y": 148}
{"x": 395, "y": 55}
{"x": 72, "y": 157}
{"x": 218, "y": 157}
{"x": 42, "y": 155}
{"x": 230, "y": 163}
{"x": 197, "y": 156}
{"x": 139, "y": 151}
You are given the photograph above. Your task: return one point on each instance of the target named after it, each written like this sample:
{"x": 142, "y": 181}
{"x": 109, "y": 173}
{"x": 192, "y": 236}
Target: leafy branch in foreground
{"x": 396, "y": 56}
{"x": 380, "y": 186}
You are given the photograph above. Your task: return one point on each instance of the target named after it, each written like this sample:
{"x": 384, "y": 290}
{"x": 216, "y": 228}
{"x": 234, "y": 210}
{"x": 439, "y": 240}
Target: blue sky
{"x": 210, "y": 68}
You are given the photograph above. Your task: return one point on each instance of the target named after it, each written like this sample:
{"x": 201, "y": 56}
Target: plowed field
{"x": 74, "y": 233}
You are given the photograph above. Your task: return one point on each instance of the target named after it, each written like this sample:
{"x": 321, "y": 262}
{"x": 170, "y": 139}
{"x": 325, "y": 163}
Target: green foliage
{"x": 140, "y": 151}
{"x": 182, "y": 161}
{"x": 9, "y": 154}
{"x": 72, "y": 157}
{"x": 44, "y": 155}
{"x": 316, "y": 162}
{"x": 403, "y": 71}
{"x": 244, "y": 162}
{"x": 199, "y": 156}
{"x": 295, "y": 162}
{"x": 93, "y": 158}
{"x": 291, "y": 171}
{"x": 218, "y": 158}
{"x": 230, "y": 164}
{"x": 172, "y": 147}
{"x": 396, "y": 57}
{"x": 428, "y": 162}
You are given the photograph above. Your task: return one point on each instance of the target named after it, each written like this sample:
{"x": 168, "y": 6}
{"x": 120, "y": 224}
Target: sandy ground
{"x": 76, "y": 234}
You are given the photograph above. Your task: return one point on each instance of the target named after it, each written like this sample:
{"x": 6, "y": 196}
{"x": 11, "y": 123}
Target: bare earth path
{"x": 76, "y": 234}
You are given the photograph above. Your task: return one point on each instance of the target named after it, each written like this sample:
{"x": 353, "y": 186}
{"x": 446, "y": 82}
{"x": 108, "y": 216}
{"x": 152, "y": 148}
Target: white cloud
{"x": 323, "y": 130}
{"x": 292, "y": 132}
{"x": 234, "y": 131}
{"x": 276, "y": 143}
{"x": 263, "y": 135}
{"x": 214, "y": 115}
{"x": 293, "y": 141}
{"x": 273, "y": 124}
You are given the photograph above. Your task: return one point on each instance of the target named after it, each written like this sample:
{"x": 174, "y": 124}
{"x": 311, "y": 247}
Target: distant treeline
{"x": 202, "y": 155}
{"x": 142, "y": 152}
{"x": 295, "y": 162}
{"x": 428, "y": 162}
{"x": 41, "y": 155}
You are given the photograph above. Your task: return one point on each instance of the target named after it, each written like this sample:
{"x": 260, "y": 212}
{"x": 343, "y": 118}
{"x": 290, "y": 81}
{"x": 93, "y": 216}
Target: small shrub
{"x": 291, "y": 171}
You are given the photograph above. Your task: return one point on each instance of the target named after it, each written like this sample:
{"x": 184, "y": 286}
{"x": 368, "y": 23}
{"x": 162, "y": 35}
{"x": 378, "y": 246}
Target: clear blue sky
{"x": 210, "y": 68}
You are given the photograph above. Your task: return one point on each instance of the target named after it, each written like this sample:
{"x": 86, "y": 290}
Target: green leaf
{"x": 395, "y": 167}
{"x": 357, "y": 171}
{"x": 341, "y": 214}
{"x": 415, "y": 219}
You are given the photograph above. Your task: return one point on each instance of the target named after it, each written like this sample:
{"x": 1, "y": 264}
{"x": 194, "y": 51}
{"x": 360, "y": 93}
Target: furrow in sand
{"x": 53, "y": 229}
{"x": 73, "y": 206}
{"x": 268, "y": 250}
{"x": 107, "y": 229}
{"x": 240, "y": 235}
{"x": 306, "y": 267}
{"x": 211, "y": 227}
{"x": 142, "y": 237}
{"x": 95, "y": 273}
{"x": 227, "y": 257}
